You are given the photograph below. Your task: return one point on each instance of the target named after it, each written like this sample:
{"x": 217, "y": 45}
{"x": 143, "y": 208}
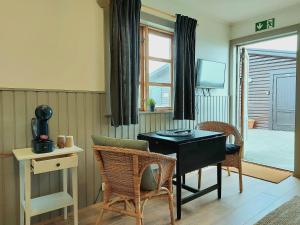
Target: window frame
{"x": 145, "y": 30}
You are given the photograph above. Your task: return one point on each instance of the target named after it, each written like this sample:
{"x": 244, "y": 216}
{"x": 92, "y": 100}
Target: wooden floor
{"x": 258, "y": 199}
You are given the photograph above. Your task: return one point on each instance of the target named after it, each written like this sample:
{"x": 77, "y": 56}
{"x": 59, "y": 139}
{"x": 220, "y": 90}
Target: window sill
{"x": 167, "y": 111}
{"x": 157, "y": 112}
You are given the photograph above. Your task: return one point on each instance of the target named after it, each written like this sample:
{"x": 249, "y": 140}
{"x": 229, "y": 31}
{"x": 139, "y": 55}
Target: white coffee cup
{"x": 69, "y": 141}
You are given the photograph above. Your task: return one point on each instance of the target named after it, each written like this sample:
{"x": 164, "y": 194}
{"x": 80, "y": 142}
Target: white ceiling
{"x": 232, "y": 11}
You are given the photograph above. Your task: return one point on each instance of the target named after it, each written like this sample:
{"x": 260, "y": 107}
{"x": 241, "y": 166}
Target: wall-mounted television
{"x": 210, "y": 74}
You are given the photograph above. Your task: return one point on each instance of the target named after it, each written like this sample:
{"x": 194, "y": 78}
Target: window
{"x": 156, "y": 79}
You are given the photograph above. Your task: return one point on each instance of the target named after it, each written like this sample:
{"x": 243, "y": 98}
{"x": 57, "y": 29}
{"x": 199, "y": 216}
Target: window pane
{"x": 161, "y": 95}
{"x": 159, "y": 72}
{"x": 159, "y": 47}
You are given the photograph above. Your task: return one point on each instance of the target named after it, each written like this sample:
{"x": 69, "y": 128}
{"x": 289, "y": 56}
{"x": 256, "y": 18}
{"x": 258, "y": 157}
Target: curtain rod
{"x": 106, "y": 3}
{"x": 171, "y": 16}
{"x": 159, "y": 11}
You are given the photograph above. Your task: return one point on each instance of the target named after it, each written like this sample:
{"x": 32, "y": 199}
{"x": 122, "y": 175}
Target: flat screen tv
{"x": 210, "y": 74}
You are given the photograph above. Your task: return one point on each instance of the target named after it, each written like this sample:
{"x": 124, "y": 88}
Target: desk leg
{"x": 75, "y": 194}
{"x": 178, "y": 189}
{"x": 65, "y": 189}
{"x": 219, "y": 178}
{"x": 21, "y": 175}
{"x": 27, "y": 184}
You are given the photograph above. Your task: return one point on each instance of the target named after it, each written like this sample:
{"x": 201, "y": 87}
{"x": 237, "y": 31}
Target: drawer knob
{"x": 58, "y": 164}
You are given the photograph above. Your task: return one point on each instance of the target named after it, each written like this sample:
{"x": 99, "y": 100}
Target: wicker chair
{"x": 122, "y": 170}
{"x": 231, "y": 160}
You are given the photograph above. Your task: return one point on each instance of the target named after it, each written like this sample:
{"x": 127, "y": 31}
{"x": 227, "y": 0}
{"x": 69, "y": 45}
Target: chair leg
{"x": 199, "y": 178}
{"x": 142, "y": 210}
{"x": 143, "y": 206}
{"x": 171, "y": 208}
{"x": 241, "y": 179}
{"x": 138, "y": 211}
{"x": 138, "y": 221}
{"x": 99, "y": 219}
{"x": 228, "y": 170}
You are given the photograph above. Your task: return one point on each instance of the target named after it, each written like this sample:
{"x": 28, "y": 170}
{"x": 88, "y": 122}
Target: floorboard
{"x": 258, "y": 199}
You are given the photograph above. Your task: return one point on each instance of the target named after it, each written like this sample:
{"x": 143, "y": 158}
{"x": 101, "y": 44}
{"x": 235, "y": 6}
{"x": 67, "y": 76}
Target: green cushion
{"x": 148, "y": 182}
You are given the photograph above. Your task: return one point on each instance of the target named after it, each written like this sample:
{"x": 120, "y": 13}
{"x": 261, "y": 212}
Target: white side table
{"x": 59, "y": 159}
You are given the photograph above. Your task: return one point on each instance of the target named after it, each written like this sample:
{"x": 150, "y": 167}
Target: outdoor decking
{"x": 270, "y": 147}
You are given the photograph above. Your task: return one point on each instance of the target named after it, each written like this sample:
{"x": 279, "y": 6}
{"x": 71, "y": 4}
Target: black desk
{"x": 201, "y": 149}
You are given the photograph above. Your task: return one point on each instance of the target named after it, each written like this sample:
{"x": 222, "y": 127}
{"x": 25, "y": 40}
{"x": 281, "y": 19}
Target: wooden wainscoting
{"x": 75, "y": 113}
{"x": 80, "y": 114}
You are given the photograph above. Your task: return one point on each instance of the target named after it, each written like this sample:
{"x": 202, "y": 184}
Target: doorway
{"x": 268, "y": 102}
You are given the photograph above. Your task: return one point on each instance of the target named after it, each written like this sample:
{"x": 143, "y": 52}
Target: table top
{"x": 27, "y": 153}
{"x": 197, "y": 135}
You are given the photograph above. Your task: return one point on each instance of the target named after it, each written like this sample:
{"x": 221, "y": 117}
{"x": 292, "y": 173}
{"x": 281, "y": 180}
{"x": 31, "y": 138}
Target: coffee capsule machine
{"x": 40, "y": 133}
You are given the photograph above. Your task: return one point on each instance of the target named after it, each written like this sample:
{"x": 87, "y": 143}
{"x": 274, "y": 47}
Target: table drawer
{"x": 54, "y": 163}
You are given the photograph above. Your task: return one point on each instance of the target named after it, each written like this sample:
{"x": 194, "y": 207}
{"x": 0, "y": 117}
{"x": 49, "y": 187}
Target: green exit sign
{"x": 264, "y": 25}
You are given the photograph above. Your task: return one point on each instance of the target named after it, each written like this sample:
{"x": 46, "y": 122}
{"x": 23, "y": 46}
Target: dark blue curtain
{"x": 125, "y": 61}
{"x": 184, "y": 68}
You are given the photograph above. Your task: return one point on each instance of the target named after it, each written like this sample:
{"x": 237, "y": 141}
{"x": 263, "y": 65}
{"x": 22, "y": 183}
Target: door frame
{"x": 273, "y": 93}
{"x": 233, "y": 77}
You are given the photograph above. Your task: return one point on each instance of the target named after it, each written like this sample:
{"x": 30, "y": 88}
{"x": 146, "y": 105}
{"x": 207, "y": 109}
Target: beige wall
{"x": 58, "y": 44}
{"x": 53, "y": 44}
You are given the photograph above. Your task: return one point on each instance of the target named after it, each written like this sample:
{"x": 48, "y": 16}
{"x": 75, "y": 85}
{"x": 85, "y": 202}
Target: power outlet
{"x": 103, "y": 186}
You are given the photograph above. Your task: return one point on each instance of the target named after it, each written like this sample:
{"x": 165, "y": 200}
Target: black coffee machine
{"x": 40, "y": 133}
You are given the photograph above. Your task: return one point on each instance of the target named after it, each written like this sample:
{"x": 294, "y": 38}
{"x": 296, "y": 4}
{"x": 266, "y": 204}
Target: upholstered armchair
{"x": 126, "y": 170}
{"x": 234, "y": 152}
